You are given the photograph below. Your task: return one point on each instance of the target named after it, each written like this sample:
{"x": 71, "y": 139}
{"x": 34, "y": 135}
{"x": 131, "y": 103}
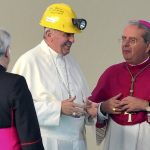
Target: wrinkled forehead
{"x": 133, "y": 31}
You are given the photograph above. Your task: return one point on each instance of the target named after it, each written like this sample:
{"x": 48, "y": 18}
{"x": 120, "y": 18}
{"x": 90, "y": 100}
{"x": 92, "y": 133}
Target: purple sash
{"x": 9, "y": 139}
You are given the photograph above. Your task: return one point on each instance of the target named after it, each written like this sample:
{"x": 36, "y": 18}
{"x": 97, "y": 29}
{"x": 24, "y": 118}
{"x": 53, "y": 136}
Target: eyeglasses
{"x": 131, "y": 40}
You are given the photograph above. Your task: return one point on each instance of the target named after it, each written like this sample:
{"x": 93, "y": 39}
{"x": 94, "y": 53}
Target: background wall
{"x": 95, "y": 49}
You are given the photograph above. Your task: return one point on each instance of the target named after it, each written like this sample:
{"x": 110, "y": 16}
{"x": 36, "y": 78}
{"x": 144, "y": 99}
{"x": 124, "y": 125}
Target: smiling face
{"x": 134, "y": 48}
{"x": 59, "y": 41}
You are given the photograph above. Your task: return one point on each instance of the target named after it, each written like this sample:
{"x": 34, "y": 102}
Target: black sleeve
{"x": 25, "y": 118}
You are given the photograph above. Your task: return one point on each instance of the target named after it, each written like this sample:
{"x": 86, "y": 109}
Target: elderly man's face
{"x": 61, "y": 42}
{"x": 134, "y": 48}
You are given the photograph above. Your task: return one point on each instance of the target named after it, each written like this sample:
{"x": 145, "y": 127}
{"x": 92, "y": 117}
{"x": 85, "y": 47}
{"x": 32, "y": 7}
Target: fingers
{"x": 69, "y": 107}
{"x": 115, "y": 110}
{"x": 116, "y": 105}
{"x": 71, "y": 99}
{"x": 75, "y": 104}
{"x": 88, "y": 104}
{"x": 78, "y": 105}
{"x": 118, "y": 96}
{"x": 80, "y": 111}
{"x": 92, "y": 111}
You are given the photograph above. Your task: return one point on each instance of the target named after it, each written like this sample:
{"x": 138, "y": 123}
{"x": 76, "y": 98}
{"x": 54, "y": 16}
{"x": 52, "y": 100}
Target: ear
{"x": 48, "y": 33}
{"x": 7, "y": 53}
{"x": 148, "y": 47}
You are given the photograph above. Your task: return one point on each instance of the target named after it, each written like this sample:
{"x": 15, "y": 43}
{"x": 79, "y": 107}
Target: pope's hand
{"x": 70, "y": 108}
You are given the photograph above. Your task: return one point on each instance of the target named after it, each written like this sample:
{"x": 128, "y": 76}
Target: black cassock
{"x": 17, "y": 109}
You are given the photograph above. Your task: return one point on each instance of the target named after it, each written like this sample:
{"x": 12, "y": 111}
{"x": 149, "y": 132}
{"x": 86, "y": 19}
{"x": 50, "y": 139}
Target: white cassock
{"x": 138, "y": 139}
{"x": 49, "y": 87}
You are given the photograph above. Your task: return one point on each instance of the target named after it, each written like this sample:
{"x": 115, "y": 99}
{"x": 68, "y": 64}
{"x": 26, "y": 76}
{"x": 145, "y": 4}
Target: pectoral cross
{"x": 129, "y": 116}
{"x": 133, "y": 78}
{"x": 131, "y": 93}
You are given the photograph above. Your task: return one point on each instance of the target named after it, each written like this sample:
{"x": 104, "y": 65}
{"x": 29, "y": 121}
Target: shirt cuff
{"x": 100, "y": 115}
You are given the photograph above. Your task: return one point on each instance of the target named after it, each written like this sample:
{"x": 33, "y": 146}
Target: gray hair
{"x": 5, "y": 40}
{"x": 48, "y": 29}
{"x": 137, "y": 23}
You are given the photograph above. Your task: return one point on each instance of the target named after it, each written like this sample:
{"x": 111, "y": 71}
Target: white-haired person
{"x": 19, "y": 128}
{"x": 56, "y": 81}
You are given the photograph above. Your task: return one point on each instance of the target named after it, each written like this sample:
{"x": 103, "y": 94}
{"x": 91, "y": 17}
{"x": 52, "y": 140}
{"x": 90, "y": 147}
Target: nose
{"x": 72, "y": 38}
{"x": 126, "y": 42}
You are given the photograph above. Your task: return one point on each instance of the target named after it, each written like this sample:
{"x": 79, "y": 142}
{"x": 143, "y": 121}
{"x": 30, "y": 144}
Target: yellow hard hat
{"x": 61, "y": 17}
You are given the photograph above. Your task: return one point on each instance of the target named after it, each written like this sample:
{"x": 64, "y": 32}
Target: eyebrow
{"x": 130, "y": 37}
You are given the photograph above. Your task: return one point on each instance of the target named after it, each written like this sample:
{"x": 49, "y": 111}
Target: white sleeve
{"x": 48, "y": 112}
{"x": 48, "y": 108}
{"x": 101, "y": 116}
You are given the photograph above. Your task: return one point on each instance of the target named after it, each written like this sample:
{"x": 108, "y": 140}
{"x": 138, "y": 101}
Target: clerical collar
{"x": 47, "y": 48}
{"x": 140, "y": 63}
{"x": 55, "y": 55}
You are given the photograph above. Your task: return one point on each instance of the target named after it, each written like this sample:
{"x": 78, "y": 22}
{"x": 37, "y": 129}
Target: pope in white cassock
{"x": 56, "y": 81}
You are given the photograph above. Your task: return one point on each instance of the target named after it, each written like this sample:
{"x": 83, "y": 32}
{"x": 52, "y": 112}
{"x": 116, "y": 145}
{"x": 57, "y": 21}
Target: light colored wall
{"x": 95, "y": 49}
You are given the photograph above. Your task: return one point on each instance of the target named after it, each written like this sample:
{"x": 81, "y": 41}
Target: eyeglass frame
{"x": 131, "y": 40}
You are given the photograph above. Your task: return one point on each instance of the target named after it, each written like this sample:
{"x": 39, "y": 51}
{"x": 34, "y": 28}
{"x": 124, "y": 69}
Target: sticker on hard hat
{"x": 49, "y": 19}
{"x": 56, "y": 10}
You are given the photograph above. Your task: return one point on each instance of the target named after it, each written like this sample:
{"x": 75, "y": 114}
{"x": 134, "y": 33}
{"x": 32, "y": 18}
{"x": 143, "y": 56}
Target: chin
{"x": 131, "y": 62}
{"x": 66, "y": 52}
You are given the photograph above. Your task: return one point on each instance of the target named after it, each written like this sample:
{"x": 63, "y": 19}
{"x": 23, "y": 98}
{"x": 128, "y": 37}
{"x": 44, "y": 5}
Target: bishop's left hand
{"x": 132, "y": 104}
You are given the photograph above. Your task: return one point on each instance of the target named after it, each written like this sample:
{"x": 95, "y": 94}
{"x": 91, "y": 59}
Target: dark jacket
{"x": 15, "y": 97}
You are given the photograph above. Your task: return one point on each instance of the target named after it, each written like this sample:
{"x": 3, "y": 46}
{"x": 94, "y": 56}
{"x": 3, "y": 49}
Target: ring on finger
{"x": 74, "y": 114}
{"x": 114, "y": 109}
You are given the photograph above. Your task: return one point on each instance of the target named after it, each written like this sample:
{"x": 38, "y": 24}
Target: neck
{"x": 50, "y": 44}
{"x": 4, "y": 63}
{"x": 140, "y": 62}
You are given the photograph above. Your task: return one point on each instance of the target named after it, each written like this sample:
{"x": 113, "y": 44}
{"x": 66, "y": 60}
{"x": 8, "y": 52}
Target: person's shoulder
{"x": 29, "y": 55}
{"x": 13, "y": 76}
{"x": 115, "y": 68}
{"x": 10, "y": 79}
{"x": 13, "y": 82}
{"x": 31, "y": 52}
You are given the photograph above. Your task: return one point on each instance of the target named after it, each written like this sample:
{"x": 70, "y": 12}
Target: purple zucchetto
{"x": 145, "y": 23}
